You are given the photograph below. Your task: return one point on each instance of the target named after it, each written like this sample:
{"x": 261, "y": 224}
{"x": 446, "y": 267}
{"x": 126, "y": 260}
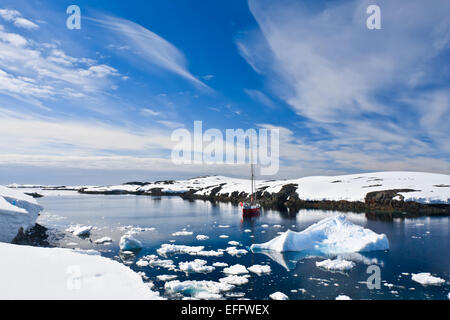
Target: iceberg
{"x": 128, "y": 242}
{"x": 332, "y": 235}
{"x": 18, "y": 212}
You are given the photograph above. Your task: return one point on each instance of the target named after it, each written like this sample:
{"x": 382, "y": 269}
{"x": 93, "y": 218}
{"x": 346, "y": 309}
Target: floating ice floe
{"x": 235, "y": 280}
{"x": 223, "y": 226}
{"x": 259, "y": 269}
{"x": 154, "y": 261}
{"x": 182, "y": 233}
{"x": 196, "y": 266}
{"x": 103, "y": 240}
{"x": 278, "y": 296}
{"x": 425, "y": 278}
{"x": 17, "y": 211}
{"x": 209, "y": 253}
{"x": 167, "y": 249}
{"x": 233, "y": 243}
{"x": 236, "y": 269}
{"x": 224, "y": 236}
{"x": 220, "y": 264}
{"x": 198, "y": 289}
{"x": 343, "y": 297}
{"x": 132, "y": 230}
{"x": 201, "y": 237}
{"x": 233, "y": 251}
{"x": 248, "y": 230}
{"x": 79, "y": 231}
{"x": 332, "y": 235}
{"x": 128, "y": 242}
{"x": 166, "y": 277}
{"x": 336, "y": 264}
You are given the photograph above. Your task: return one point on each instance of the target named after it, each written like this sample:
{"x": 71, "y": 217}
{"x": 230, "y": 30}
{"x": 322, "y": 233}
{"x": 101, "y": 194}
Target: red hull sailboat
{"x": 252, "y": 208}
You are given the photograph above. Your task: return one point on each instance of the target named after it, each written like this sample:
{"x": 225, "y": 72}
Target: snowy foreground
{"x": 430, "y": 187}
{"x": 17, "y": 211}
{"x": 333, "y": 235}
{"x": 54, "y": 273}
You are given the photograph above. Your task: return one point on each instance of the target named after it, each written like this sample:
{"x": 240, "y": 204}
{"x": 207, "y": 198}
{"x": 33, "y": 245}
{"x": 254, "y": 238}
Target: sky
{"x": 98, "y": 105}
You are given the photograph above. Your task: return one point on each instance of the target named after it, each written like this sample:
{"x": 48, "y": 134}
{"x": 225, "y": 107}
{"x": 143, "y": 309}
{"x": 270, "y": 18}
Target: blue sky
{"x": 98, "y": 105}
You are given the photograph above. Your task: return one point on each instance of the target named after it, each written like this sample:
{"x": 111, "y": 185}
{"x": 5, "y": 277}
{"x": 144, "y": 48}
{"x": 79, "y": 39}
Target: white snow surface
{"x": 17, "y": 210}
{"x": 431, "y": 187}
{"x": 55, "y": 273}
{"x": 332, "y": 235}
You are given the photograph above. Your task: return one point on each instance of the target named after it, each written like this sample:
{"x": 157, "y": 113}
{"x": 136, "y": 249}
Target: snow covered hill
{"x": 17, "y": 211}
{"x": 419, "y": 187}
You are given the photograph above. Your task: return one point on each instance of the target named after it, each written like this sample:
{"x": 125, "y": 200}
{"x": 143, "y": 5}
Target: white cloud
{"x": 55, "y": 136}
{"x": 150, "y": 112}
{"x": 148, "y": 46}
{"x": 363, "y": 95}
{"x": 260, "y": 97}
{"x": 16, "y": 18}
{"x": 24, "y": 23}
{"x": 333, "y": 63}
{"x": 171, "y": 124}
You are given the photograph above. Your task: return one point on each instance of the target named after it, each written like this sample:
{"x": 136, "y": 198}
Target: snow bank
{"x": 17, "y": 210}
{"x": 332, "y": 235}
{"x": 336, "y": 264}
{"x": 54, "y": 273}
{"x": 425, "y": 278}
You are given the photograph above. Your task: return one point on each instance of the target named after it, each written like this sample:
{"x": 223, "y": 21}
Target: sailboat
{"x": 252, "y": 208}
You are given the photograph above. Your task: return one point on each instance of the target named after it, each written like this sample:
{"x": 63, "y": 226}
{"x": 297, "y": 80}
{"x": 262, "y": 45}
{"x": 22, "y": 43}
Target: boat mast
{"x": 253, "y": 187}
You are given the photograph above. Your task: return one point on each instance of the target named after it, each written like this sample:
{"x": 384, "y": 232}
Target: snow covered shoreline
{"x": 415, "y": 193}
{"x": 28, "y": 272}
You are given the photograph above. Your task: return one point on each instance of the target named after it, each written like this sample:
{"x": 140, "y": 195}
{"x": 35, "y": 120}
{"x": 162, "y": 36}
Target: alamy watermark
{"x": 237, "y": 146}
{"x": 74, "y": 19}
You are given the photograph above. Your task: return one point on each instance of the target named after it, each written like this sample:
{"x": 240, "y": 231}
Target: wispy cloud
{"x": 148, "y": 46}
{"x": 16, "y": 18}
{"x": 383, "y": 94}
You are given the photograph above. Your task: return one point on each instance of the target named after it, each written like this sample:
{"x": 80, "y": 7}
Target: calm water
{"x": 416, "y": 245}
